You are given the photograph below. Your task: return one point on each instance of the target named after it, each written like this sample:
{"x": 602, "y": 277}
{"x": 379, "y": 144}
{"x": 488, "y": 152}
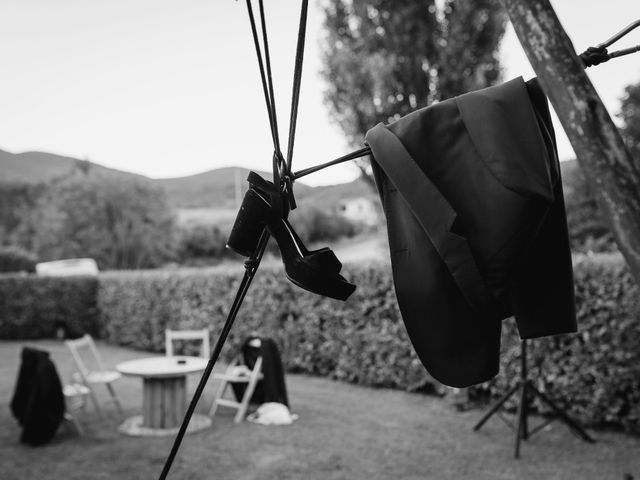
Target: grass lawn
{"x": 344, "y": 432}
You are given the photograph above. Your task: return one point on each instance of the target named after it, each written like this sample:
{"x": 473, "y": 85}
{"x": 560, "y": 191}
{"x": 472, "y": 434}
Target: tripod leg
{"x": 525, "y": 410}
{"x": 564, "y": 417}
{"x": 521, "y": 418}
{"x": 496, "y": 406}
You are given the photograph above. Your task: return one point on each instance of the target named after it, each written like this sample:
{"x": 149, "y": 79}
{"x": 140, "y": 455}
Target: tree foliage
{"x": 120, "y": 222}
{"x": 630, "y": 114}
{"x": 16, "y": 259}
{"x": 197, "y": 242}
{"x": 16, "y": 201}
{"x": 383, "y": 59}
{"x": 588, "y": 230}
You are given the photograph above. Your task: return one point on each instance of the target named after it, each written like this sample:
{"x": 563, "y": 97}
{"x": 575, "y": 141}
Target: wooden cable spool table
{"x": 164, "y": 381}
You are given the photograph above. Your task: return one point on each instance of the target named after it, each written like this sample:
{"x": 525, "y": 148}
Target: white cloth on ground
{"x": 272, "y": 413}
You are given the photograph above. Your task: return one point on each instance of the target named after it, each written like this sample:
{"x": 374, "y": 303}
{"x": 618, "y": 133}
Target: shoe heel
{"x": 249, "y": 223}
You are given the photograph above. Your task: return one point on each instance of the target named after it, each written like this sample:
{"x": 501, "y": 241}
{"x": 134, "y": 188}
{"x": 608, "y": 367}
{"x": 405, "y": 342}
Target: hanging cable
{"x": 263, "y": 77}
{"x": 267, "y": 58}
{"x": 297, "y": 77}
{"x": 349, "y": 156}
{"x": 280, "y": 166}
{"x": 251, "y": 266}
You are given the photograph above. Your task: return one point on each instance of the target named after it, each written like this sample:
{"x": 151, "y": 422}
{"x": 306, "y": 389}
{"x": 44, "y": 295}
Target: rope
{"x": 265, "y": 89}
{"x": 297, "y": 77}
{"x": 349, "y": 156}
{"x": 272, "y": 97}
{"x": 282, "y": 177}
{"x": 594, "y": 56}
{"x": 251, "y": 266}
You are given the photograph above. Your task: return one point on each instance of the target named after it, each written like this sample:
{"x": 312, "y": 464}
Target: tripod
{"x": 526, "y": 390}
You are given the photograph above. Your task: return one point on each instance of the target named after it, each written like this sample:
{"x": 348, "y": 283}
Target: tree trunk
{"x": 602, "y": 155}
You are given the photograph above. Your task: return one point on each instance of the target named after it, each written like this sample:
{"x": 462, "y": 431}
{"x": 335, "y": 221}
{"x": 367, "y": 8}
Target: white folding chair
{"x": 91, "y": 369}
{"x": 75, "y": 396}
{"x": 237, "y": 372}
{"x": 202, "y": 335}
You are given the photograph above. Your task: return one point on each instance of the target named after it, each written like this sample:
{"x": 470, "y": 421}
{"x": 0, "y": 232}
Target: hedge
{"x": 44, "y": 307}
{"x": 594, "y": 374}
{"x": 362, "y": 340}
{"x": 16, "y": 259}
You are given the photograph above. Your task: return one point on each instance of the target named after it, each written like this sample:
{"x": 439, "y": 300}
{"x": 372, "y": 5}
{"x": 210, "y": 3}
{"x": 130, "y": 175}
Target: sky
{"x": 169, "y": 88}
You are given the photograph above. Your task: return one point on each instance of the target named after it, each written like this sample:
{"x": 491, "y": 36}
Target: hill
{"x": 214, "y": 189}
{"x": 38, "y": 167}
{"x": 217, "y": 189}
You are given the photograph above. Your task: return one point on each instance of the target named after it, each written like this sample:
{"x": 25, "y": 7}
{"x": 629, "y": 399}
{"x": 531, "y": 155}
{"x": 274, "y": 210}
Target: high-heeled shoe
{"x": 264, "y": 206}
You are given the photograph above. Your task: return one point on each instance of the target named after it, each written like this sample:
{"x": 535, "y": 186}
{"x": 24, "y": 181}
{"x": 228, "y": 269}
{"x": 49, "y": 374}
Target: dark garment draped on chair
{"x": 272, "y": 387}
{"x": 38, "y": 402}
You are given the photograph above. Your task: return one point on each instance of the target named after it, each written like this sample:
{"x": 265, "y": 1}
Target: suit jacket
{"x": 472, "y": 193}
{"x": 38, "y": 402}
{"x": 272, "y": 386}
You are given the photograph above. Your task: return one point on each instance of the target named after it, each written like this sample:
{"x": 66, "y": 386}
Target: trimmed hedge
{"x": 16, "y": 259}
{"x": 594, "y": 374}
{"x": 362, "y": 340}
{"x": 38, "y": 307}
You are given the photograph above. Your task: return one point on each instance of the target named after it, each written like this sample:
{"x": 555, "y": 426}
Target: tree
{"x": 198, "y": 242}
{"x": 606, "y": 162}
{"x": 121, "y": 222}
{"x": 630, "y": 114}
{"x": 588, "y": 230}
{"x": 383, "y": 59}
{"x": 16, "y": 200}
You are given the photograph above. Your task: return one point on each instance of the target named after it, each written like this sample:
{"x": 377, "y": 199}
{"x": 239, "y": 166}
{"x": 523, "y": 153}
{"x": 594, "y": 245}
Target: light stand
{"x": 527, "y": 391}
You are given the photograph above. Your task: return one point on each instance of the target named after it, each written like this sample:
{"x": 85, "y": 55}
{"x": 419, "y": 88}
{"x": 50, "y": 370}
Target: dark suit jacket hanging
{"x": 472, "y": 193}
{"x": 272, "y": 386}
{"x": 38, "y": 402}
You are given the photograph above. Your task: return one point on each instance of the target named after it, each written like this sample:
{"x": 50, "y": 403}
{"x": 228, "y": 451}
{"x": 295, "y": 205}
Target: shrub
{"x": 362, "y": 340}
{"x": 201, "y": 242}
{"x": 43, "y": 307}
{"x": 594, "y": 374}
{"x": 317, "y": 225}
{"x": 118, "y": 220}
{"x": 16, "y": 259}
{"x": 588, "y": 230}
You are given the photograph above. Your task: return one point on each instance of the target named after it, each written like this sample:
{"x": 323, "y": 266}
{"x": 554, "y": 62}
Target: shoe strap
{"x": 276, "y": 198}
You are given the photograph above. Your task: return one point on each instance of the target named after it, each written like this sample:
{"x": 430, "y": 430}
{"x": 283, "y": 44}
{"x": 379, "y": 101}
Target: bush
{"x": 118, "y": 220}
{"x": 588, "y": 231}
{"x": 201, "y": 242}
{"x": 44, "y": 307}
{"x": 317, "y": 225}
{"x": 594, "y": 374}
{"x": 362, "y": 340}
{"x": 16, "y": 259}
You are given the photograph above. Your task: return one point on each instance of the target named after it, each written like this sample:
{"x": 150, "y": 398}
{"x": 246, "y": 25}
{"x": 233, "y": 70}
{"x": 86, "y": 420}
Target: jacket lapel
{"x": 503, "y": 128}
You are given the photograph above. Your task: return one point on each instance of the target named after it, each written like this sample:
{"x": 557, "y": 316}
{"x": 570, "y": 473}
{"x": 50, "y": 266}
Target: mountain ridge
{"x": 216, "y": 188}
